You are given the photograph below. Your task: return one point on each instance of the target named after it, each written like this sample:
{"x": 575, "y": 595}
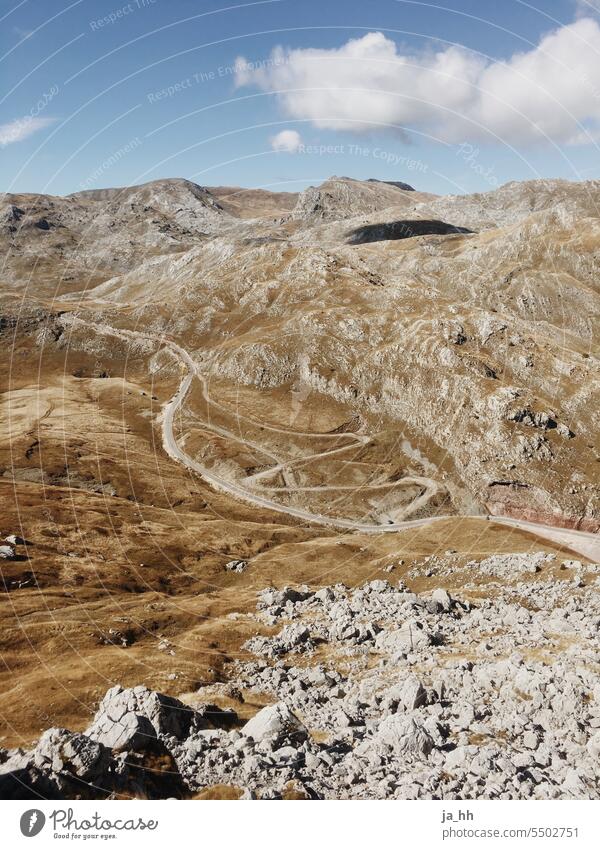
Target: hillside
{"x": 219, "y": 406}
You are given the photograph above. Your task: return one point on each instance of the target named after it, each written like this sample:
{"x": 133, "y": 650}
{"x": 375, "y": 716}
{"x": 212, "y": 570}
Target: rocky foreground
{"x": 372, "y": 692}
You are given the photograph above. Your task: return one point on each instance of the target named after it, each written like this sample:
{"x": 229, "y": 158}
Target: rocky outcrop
{"x": 388, "y": 716}
{"x": 62, "y": 765}
{"x": 277, "y": 724}
{"x": 136, "y": 718}
{"x": 343, "y": 197}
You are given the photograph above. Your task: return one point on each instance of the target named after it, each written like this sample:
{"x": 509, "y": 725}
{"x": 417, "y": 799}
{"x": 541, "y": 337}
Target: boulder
{"x": 531, "y": 740}
{"x": 14, "y": 539}
{"x": 136, "y": 717}
{"x": 277, "y": 598}
{"x": 71, "y": 754}
{"x": 412, "y": 694}
{"x": 236, "y": 566}
{"x": 442, "y": 598}
{"x": 409, "y": 637}
{"x": 404, "y": 735}
{"x": 131, "y": 732}
{"x": 21, "y": 779}
{"x": 593, "y": 746}
{"x": 459, "y": 758}
{"x": 294, "y": 637}
{"x": 408, "y": 695}
{"x": 276, "y": 723}
{"x": 287, "y": 756}
{"x": 64, "y": 764}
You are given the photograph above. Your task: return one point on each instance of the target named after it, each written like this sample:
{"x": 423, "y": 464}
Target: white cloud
{"x": 21, "y": 128}
{"x": 551, "y": 90}
{"x": 287, "y": 140}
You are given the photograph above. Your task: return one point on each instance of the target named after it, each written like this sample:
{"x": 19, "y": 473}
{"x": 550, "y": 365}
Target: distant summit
{"x": 404, "y": 186}
{"x": 345, "y": 197}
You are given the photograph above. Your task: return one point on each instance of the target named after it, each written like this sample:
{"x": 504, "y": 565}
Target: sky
{"x": 450, "y": 97}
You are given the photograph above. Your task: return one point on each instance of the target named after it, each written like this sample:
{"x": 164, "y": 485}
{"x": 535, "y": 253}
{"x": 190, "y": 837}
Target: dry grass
{"x": 147, "y": 562}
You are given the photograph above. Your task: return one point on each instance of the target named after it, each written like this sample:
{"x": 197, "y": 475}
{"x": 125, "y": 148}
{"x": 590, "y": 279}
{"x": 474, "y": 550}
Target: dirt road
{"x": 586, "y": 544}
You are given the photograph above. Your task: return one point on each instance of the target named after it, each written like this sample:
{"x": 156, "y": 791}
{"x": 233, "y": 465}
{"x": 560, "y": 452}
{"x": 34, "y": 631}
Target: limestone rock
{"x": 410, "y": 636}
{"x": 62, "y": 751}
{"x": 404, "y": 735}
{"x": 137, "y": 716}
{"x": 275, "y": 723}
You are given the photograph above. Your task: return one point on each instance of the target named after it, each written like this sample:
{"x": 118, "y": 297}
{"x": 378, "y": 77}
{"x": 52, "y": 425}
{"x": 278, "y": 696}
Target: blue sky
{"x": 450, "y": 96}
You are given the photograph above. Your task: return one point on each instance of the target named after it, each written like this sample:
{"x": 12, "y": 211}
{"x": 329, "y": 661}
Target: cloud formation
{"x": 287, "y": 140}
{"x": 552, "y": 90}
{"x": 21, "y": 128}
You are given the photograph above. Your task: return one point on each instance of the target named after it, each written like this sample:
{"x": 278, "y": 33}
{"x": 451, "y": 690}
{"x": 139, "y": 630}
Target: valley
{"x": 212, "y": 394}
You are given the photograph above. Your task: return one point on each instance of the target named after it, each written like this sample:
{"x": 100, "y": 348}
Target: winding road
{"x": 586, "y": 544}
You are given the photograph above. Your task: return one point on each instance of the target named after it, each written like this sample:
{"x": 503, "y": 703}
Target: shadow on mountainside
{"x": 402, "y": 230}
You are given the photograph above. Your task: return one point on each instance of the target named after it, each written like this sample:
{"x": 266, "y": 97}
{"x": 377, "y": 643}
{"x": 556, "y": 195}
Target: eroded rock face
{"x": 62, "y": 765}
{"x": 60, "y": 751}
{"x": 380, "y": 719}
{"x": 126, "y": 732}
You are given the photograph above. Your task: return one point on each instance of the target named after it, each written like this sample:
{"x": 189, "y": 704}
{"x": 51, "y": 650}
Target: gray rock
{"x": 531, "y": 740}
{"x": 132, "y": 732}
{"x": 404, "y": 736}
{"x": 387, "y": 719}
{"x": 412, "y": 694}
{"x": 139, "y": 715}
{"x": 62, "y": 751}
{"x": 62, "y": 765}
{"x": 294, "y": 636}
{"x": 14, "y": 539}
{"x": 275, "y": 723}
{"x": 460, "y": 758}
{"x": 288, "y": 756}
{"x": 442, "y": 598}
{"x": 410, "y": 636}
{"x": 237, "y": 566}
{"x": 278, "y": 598}
{"x": 465, "y": 718}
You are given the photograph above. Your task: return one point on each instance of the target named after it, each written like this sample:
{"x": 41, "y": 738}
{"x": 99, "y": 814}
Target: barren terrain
{"x": 211, "y": 392}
